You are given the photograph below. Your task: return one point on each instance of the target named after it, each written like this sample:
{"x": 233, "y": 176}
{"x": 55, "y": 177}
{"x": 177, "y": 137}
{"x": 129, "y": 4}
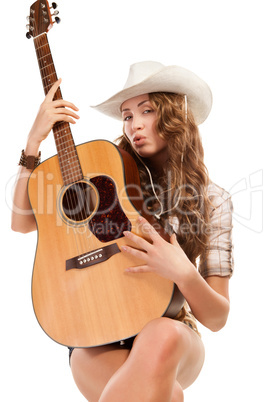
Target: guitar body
{"x": 81, "y": 297}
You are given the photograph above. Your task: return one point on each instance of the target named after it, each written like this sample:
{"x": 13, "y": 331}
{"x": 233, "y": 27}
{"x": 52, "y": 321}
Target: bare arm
{"x": 22, "y": 218}
{"x": 208, "y": 298}
{"x": 49, "y": 113}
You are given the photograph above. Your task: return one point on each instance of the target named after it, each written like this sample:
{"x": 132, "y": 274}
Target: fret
{"x": 37, "y": 48}
{"x": 46, "y": 66}
{"x": 46, "y": 69}
{"x": 69, "y": 180}
{"x": 64, "y": 138}
{"x": 68, "y": 159}
{"x": 66, "y": 148}
{"x": 72, "y": 176}
{"x": 45, "y": 61}
{"x": 65, "y": 144}
{"x": 71, "y": 172}
{"x": 40, "y": 47}
{"x": 59, "y": 125}
{"x": 64, "y": 153}
{"x": 44, "y": 57}
{"x": 59, "y": 128}
{"x": 48, "y": 86}
{"x": 49, "y": 75}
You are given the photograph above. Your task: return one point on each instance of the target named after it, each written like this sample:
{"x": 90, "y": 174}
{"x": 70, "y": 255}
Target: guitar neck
{"x": 68, "y": 158}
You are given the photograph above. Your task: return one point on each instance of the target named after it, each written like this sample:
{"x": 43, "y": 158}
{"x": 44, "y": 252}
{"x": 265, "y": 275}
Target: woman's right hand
{"x": 50, "y": 112}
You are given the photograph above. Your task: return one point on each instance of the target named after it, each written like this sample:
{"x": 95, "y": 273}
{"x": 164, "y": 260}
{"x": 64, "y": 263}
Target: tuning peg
{"x": 54, "y": 5}
{"x": 29, "y": 27}
{"x": 56, "y": 12}
{"x": 57, "y": 20}
{"x": 28, "y": 35}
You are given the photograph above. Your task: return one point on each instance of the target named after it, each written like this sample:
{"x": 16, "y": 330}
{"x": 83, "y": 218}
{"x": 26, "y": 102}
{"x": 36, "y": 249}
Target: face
{"x": 140, "y": 127}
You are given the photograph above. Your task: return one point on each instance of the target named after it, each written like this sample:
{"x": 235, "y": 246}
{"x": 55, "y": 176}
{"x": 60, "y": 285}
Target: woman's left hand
{"x": 165, "y": 259}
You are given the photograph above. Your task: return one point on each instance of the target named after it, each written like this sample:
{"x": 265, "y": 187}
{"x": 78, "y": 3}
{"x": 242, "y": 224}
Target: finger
{"x": 135, "y": 252}
{"x": 67, "y": 112}
{"x": 138, "y": 270}
{"x": 148, "y": 229}
{"x": 174, "y": 241}
{"x": 63, "y": 117}
{"x": 139, "y": 241}
{"x": 60, "y": 103}
{"x": 51, "y": 93}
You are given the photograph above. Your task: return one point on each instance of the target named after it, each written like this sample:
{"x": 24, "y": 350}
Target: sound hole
{"x": 79, "y": 201}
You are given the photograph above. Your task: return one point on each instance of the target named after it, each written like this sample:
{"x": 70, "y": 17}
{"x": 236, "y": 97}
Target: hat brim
{"x": 170, "y": 79}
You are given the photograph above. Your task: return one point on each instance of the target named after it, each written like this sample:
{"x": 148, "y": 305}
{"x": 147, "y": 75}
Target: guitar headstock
{"x": 40, "y": 18}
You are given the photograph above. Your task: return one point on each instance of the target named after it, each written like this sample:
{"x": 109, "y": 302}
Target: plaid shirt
{"x": 219, "y": 257}
{"x": 219, "y": 260}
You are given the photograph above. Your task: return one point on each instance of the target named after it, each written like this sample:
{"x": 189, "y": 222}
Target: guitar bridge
{"x": 92, "y": 257}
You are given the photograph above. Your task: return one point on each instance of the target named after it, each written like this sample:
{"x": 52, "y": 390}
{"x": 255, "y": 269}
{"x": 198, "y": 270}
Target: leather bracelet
{"x": 29, "y": 161}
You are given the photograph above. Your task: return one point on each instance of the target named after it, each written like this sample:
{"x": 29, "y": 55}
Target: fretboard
{"x": 68, "y": 158}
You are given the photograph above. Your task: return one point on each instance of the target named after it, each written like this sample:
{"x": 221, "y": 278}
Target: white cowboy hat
{"x": 150, "y": 76}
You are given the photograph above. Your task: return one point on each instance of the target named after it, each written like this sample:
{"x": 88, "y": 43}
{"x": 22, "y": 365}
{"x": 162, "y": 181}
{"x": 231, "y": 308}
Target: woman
{"x": 160, "y": 107}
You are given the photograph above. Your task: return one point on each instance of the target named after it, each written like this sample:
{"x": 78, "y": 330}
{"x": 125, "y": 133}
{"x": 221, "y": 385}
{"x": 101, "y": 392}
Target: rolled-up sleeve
{"x": 218, "y": 259}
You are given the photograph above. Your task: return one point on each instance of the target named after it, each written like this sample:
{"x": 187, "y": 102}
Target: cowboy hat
{"x": 150, "y": 76}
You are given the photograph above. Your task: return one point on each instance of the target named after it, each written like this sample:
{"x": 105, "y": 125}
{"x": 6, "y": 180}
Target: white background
{"x": 225, "y": 42}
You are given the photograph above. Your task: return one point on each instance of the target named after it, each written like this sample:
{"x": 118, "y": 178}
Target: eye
{"x": 126, "y": 118}
{"x": 148, "y": 111}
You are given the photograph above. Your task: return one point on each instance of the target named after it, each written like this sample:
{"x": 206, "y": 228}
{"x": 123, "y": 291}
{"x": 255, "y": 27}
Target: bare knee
{"x": 166, "y": 334}
{"x": 165, "y": 341}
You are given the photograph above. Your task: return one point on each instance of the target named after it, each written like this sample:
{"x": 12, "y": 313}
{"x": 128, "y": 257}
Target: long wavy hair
{"x": 182, "y": 189}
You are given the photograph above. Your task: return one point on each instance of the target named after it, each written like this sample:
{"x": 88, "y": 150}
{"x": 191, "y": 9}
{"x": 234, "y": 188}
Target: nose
{"x": 137, "y": 123}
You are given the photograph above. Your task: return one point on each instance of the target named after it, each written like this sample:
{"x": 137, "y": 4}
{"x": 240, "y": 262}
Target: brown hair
{"x": 183, "y": 187}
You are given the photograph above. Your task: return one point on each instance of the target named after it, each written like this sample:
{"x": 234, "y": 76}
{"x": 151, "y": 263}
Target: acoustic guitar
{"x": 83, "y": 199}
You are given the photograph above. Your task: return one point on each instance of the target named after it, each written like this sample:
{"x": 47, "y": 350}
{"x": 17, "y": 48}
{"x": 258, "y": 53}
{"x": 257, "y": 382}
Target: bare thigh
{"x": 92, "y": 368}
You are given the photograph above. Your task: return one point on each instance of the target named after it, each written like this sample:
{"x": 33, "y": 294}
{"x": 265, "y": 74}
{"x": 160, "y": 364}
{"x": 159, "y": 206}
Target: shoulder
{"x": 220, "y": 199}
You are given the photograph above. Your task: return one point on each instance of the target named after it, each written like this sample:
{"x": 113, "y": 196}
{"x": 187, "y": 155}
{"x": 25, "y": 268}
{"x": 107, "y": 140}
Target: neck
{"x": 158, "y": 162}
{"x": 68, "y": 159}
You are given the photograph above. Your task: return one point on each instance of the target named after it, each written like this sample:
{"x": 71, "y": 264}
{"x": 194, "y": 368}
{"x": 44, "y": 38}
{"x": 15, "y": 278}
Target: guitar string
{"x": 81, "y": 202}
{"x": 49, "y": 69}
{"x": 66, "y": 142}
{"x": 61, "y": 141}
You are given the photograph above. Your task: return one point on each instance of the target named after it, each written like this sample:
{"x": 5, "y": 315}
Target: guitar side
{"x": 98, "y": 304}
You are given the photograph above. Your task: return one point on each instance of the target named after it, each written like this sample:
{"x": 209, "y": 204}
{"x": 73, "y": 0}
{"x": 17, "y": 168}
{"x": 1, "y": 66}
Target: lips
{"x": 138, "y": 139}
